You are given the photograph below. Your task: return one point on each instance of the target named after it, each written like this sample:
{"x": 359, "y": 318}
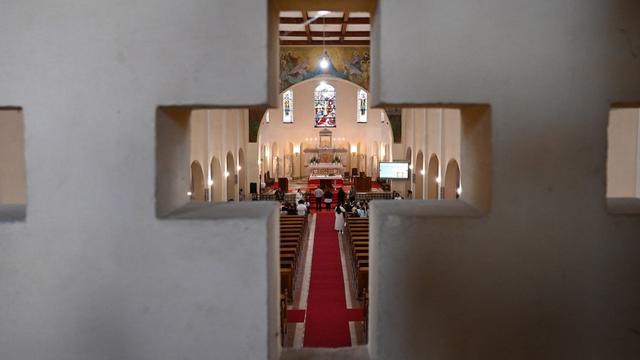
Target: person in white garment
{"x": 339, "y": 224}
{"x": 299, "y": 196}
{"x": 302, "y": 208}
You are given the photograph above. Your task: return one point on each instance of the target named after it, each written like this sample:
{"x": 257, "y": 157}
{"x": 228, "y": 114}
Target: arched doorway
{"x": 216, "y": 181}
{"x": 275, "y": 161}
{"x": 419, "y": 166}
{"x": 288, "y": 161}
{"x": 242, "y": 172}
{"x": 451, "y": 180}
{"x": 197, "y": 182}
{"x": 231, "y": 177}
{"x": 432, "y": 177}
{"x": 408, "y": 157}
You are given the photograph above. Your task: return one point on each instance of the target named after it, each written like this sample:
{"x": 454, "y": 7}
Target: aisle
{"x": 327, "y": 317}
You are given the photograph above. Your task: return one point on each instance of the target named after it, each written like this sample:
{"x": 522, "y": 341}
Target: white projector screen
{"x": 394, "y": 170}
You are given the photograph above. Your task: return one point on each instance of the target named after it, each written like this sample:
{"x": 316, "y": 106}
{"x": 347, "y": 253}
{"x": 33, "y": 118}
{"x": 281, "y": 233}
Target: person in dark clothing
{"x": 341, "y": 196}
{"x": 352, "y": 194}
{"x": 328, "y": 198}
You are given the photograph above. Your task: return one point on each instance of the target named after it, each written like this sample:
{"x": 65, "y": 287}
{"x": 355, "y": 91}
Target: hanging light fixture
{"x": 324, "y": 61}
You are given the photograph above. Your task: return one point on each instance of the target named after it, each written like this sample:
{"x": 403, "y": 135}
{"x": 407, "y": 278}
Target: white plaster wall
{"x": 92, "y": 273}
{"x": 13, "y": 181}
{"x": 547, "y": 273}
{"x": 302, "y": 131}
{"x": 215, "y": 133}
{"x": 432, "y": 131}
{"x": 623, "y": 153}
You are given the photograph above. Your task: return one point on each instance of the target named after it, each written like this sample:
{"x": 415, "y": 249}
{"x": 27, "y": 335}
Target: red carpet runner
{"x": 327, "y": 321}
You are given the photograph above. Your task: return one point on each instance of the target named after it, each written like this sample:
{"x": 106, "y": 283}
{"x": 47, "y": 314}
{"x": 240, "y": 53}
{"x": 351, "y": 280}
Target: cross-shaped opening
{"x": 623, "y": 159}
{"x": 13, "y": 182}
{"x": 327, "y": 157}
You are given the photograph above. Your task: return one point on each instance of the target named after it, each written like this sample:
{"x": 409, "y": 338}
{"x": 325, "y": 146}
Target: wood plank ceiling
{"x": 334, "y": 28}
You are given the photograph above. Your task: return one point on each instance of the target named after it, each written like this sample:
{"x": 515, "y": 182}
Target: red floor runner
{"x": 327, "y": 321}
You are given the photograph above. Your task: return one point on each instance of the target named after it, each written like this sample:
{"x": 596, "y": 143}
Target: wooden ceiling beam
{"x": 327, "y": 20}
{"x": 344, "y": 25}
{"x": 307, "y": 29}
{"x": 327, "y": 33}
{"x": 320, "y": 43}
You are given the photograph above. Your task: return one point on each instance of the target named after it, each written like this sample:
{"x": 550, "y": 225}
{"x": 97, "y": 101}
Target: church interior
{"x": 374, "y": 181}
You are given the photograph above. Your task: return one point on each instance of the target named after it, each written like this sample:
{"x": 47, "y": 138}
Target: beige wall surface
{"x": 623, "y": 153}
{"x": 303, "y": 133}
{"x": 432, "y": 131}
{"x": 214, "y": 134}
{"x": 13, "y": 182}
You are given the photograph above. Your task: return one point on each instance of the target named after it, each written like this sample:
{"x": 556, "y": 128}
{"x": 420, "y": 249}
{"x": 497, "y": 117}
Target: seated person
{"x": 291, "y": 210}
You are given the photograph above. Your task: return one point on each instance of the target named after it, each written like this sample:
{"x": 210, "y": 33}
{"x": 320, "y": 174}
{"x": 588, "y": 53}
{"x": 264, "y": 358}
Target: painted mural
{"x": 301, "y": 63}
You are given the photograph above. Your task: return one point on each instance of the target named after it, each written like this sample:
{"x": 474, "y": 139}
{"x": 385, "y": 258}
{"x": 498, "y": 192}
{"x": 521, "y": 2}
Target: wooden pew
{"x": 292, "y": 231}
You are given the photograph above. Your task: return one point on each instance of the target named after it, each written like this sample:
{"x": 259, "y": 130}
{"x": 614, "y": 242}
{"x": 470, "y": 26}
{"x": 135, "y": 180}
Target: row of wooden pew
{"x": 357, "y": 236}
{"x": 292, "y": 234}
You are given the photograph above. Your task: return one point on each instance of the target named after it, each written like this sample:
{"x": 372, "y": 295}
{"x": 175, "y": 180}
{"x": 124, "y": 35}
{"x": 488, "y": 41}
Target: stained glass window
{"x": 287, "y": 106}
{"x": 325, "y": 105}
{"x": 362, "y": 106}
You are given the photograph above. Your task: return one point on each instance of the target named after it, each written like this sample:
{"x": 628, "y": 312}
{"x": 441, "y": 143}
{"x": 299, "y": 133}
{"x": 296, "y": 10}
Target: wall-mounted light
{"x": 226, "y": 174}
{"x": 296, "y": 149}
{"x": 239, "y": 167}
{"x": 438, "y": 180}
{"x": 210, "y": 182}
{"x": 189, "y": 193}
{"x": 459, "y": 190}
{"x": 354, "y": 149}
{"x": 422, "y": 172}
{"x": 410, "y": 167}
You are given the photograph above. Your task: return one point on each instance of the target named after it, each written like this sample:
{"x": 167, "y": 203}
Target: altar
{"x": 325, "y": 161}
{"x": 326, "y": 171}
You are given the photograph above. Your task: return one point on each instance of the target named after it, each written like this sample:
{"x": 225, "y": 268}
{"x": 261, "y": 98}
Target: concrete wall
{"x": 547, "y": 273}
{"x": 92, "y": 273}
{"x": 13, "y": 182}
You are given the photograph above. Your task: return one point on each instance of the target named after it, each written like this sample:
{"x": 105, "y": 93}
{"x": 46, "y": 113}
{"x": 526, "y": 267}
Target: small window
{"x": 287, "y": 107}
{"x": 325, "y": 105}
{"x": 13, "y": 181}
{"x": 362, "y": 106}
{"x": 623, "y": 161}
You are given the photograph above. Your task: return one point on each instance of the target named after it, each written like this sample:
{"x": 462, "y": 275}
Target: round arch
{"x": 197, "y": 182}
{"x": 451, "y": 180}
{"x": 432, "y": 177}
{"x": 275, "y": 161}
{"x": 419, "y": 166}
{"x": 242, "y": 172}
{"x": 375, "y": 156}
{"x": 289, "y": 160}
{"x": 216, "y": 181}
{"x": 231, "y": 177}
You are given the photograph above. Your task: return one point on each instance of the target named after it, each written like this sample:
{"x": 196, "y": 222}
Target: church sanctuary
{"x": 319, "y": 179}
